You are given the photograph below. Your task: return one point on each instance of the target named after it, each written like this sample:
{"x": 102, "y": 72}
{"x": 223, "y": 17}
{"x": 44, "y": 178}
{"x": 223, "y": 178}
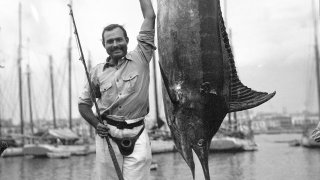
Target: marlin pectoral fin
{"x": 170, "y": 92}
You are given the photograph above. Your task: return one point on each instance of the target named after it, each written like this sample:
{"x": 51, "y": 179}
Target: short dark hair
{"x": 112, "y": 27}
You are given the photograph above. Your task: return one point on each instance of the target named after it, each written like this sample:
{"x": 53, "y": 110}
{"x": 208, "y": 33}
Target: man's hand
{"x": 3, "y": 146}
{"x": 316, "y": 135}
{"x": 102, "y": 130}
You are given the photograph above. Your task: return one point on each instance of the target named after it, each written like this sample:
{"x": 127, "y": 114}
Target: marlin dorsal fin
{"x": 240, "y": 97}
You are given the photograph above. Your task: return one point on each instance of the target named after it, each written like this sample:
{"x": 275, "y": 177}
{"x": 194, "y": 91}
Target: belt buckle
{"x": 122, "y": 125}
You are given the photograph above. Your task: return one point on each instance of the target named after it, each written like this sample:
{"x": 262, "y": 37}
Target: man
{"x": 121, "y": 86}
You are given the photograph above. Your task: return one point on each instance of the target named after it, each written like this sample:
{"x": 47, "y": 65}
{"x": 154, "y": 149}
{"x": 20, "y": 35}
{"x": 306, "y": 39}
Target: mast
{"x": 69, "y": 73}
{"x": 0, "y": 120}
{"x": 52, "y": 94}
{"x": 30, "y": 98}
{"x": 20, "y": 75}
{"x": 0, "y": 115}
{"x": 235, "y": 121}
{"x": 0, "y": 106}
{"x": 316, "y": 50}
{"x": 249, "y": 124}
{"x": 1, "y": 111}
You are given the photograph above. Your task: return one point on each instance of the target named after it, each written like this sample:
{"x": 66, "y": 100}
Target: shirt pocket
{"x": 105, "y": 90}
{"x": 129, "y": 82}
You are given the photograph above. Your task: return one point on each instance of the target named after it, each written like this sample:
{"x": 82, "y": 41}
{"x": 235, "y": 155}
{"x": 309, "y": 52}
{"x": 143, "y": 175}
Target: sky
{"x": 272, "y": 42}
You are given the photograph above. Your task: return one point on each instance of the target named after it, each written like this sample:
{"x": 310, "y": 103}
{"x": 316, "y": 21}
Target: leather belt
{"x": 123, "y": 124}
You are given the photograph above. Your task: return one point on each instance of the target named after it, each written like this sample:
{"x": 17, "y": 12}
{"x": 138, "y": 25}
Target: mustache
{"x": 119, "y": 47}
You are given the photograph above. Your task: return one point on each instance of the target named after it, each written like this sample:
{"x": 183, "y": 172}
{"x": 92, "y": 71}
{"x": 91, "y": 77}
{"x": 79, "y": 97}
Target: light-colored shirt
{"x": 124, "y": 88}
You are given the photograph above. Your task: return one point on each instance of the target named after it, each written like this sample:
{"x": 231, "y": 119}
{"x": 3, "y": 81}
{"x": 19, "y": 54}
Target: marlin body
{"x": 200, "y": 80}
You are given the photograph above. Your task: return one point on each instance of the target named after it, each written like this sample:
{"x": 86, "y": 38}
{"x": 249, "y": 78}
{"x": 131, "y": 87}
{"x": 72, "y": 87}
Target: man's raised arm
{"x": 148, "y": 15}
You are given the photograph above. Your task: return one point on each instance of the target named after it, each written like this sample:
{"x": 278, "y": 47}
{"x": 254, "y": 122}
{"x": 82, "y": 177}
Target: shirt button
{"x": 117, "y": 80}
{"x": 119, "y": 107}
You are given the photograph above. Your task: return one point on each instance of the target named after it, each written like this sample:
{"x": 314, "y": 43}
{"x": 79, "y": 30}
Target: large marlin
{"x": 200, "y": 80}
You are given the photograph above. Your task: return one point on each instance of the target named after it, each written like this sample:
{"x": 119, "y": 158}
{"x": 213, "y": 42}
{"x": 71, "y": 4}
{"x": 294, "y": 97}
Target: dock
{"x": 157, "y": 147}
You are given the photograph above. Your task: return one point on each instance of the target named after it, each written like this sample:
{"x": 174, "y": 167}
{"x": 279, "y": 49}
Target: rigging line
{"x": 12, "y": 75}
{"x": 75, "y": 83}
{"x": 39, "y": 103}
{"x": 61, "y": 90}
{"x": 41, "y": 96}
{"x": 25, "y": 95}
{"x": 37, "y": 94}
{"x": 14, "y": 110}
{"x": 34, "y": 100}
{"x": 8, "y": 99}
{"x": 8, "y": 106}
{"x": 41, "y": 93}
{"x": 46, "y": 108}
{"x": 309, "y": 76}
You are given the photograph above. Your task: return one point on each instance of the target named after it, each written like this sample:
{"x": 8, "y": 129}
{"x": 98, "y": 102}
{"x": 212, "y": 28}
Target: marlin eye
{"x": 201, "y": 142}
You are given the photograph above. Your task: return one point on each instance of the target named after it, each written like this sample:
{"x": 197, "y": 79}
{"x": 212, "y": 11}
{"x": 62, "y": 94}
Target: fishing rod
{"x": 93, "y": 98}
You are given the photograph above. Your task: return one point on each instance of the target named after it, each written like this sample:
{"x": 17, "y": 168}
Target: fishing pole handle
{"x": 92, "y": 95}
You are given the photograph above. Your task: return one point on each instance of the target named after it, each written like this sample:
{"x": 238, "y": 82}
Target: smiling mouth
{"x": 117, "y": 51}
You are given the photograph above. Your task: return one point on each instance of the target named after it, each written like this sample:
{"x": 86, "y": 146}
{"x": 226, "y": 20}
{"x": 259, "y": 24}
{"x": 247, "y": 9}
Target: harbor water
{"x": 274, "y": 160}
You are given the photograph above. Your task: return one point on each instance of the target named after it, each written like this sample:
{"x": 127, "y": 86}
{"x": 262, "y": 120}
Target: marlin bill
{"x": 200, "y": 81}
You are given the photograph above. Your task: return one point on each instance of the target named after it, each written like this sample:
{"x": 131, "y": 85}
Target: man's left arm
{"x": 146, "y": 47}
{"x": 148, "y": 15}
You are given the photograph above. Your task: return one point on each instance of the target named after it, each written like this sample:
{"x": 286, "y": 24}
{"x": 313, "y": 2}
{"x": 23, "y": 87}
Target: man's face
{"x": 115, "y": 43}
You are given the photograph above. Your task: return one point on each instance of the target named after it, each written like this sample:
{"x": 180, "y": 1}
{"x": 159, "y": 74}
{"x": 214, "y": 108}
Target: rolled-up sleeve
{"x": 85, "y": 95}
{"x": 146, "y": 44}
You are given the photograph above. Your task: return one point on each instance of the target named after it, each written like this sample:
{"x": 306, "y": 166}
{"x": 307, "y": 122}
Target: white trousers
{"x": 135, "y": 166}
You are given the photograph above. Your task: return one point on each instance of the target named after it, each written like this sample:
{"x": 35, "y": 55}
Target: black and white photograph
{"x": 159, "y": 90}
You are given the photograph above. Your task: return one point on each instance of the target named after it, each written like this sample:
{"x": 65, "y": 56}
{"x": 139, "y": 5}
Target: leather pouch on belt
{"x": 126, "y": 145}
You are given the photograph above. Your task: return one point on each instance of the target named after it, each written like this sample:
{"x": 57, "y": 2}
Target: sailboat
{"x": 309, "y": 133}
{"x": 235, "y": 138}
{"x": 14, "y": 151}
{"x": 44, "y": 147}
{"x": 57, "y": 142}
